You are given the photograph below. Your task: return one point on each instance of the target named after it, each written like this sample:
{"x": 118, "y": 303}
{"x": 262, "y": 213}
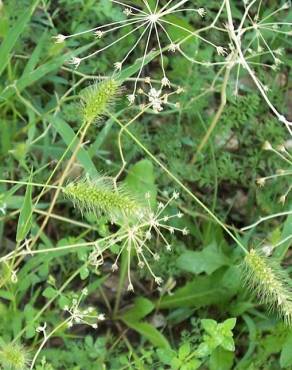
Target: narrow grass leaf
{"x": 13, "y": 36}
{"x": 25, "y": 217}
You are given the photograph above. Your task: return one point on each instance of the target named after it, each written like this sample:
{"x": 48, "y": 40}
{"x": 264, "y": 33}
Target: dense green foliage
{"x": 63, "y": 128}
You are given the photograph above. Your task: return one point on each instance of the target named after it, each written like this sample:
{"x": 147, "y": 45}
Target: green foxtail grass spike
{"x": 13, "y": 356}
{"x": 97, "y": 98}
{"x": 100, "y": 196}
{"x": 269, "y": 282}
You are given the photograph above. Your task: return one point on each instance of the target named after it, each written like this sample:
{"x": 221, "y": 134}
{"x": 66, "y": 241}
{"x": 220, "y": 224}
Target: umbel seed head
{"x": 97, "y": 98}
{"x": 269, "y": 282}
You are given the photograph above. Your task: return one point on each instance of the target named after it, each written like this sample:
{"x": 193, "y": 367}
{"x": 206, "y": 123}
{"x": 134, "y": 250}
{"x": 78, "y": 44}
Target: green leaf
{"x": 149, "y": 332}
{"x": 286, "y": 353}
{"x": 209, "y": 325}
{"x": 49, "y": 292}
{"x": 208, "y": 260}
{"x": 13, "y": 35}
{"x": 25, "y": 217}
{"x": 140, "y": 180}
{"x": 142, "y": 307}
{"x": 202, "y": 291}
{"x": 229, "y": 324}
{"x": 184, "y": 350}
{"x": 221, "y": 359}
{"x": 68, "y": 136}
{"x": 280, "y": 252}
{"x": 84, "y": 273}
{"x": 228, "y": 344}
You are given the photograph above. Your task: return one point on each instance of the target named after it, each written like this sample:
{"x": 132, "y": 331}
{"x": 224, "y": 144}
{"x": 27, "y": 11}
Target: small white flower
{"x": 261, "y": 182}
{"x": 267, "y": 250}
{"x": 266, "y": 88}
{"x": 156, "y": 257}
{"x": 147, "y": 80}
{"x": 59, "y": 39}
{"x": 221, "y": 51}
{"x": 185, "y": 231}
{"x": 128, "y": 12}
{"x": 75, "y": 61}
{"x": 286, "y": 5}
{"x": 101, "y": 317}
{"x": 179, "y": 90}
{"x": 115, "y": 267}
{"x": 165, "y": 81}
{"x": 173, "y": 47}
{"x": 130, "y": 288}
{"x": 202, "y": 12}
{"x": 267, "y": 146}
{"x": 99, "y": 34}
{"x": 118, "y": 66}
{"x": 158, "y": 280}
{"x": 131, "y": 99}
{"x": 175, "y": 195}
{"x": 155, "y": 100}
{"x": 141, "y": 264}
{"x": 278, "y": 61}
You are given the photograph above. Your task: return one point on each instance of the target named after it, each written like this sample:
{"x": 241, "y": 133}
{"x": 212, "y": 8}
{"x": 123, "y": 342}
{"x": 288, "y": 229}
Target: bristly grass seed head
{"x": 98, "y": 98}
{"x": 100, "y": 196}
{"x": 13, "y": 357}
{"x": 269, "y": 282}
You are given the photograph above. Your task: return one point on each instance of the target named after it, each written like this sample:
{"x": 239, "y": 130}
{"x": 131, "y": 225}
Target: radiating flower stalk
{"x": 147, "y": 25}
{"x": 77, "y": 316}
{"x": 137, "y": 225}
{"x": 286, "y": 157}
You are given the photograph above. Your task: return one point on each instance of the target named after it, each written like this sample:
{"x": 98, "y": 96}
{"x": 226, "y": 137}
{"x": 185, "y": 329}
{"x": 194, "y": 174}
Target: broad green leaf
{"x": 286, "y": 353}
{"x": 25, "y": 217}
{"x": 202, "y": 291}
{"x": 229, "y": 324}
{"x": 142, "y": 307}
{"x": 84, "y": 273}
{"x": 49, "y": 292}
{"x": 149, "y": 332}
{"x": 209, "y": 325}
{"x": 221, "y": 359}
{"x": 140, "y": 180}
{"x": 184, "y": 350}
{"x": 208, "y": 260}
